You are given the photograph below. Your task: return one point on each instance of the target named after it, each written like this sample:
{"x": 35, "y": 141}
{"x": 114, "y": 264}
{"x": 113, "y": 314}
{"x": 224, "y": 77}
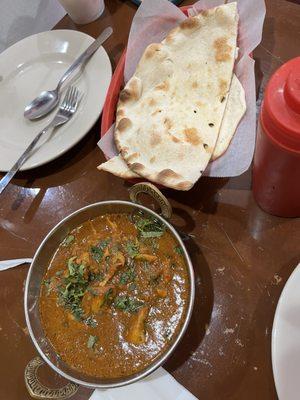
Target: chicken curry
{"x": 115, "y": 295}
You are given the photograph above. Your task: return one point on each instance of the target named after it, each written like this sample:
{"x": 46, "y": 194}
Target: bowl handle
{"x": 156, "y": 194}
{"x": 38, "y": 391}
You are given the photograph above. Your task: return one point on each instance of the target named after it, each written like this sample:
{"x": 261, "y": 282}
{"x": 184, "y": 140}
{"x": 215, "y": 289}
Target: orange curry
{"x": 115, "y": 294}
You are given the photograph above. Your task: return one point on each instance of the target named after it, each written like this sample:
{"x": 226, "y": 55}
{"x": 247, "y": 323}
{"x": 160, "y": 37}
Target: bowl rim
{"x": 165, "y": 355}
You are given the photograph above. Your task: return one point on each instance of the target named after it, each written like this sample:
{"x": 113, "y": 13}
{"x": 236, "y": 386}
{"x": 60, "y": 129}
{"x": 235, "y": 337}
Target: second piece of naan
{"x": 234, "y": 111}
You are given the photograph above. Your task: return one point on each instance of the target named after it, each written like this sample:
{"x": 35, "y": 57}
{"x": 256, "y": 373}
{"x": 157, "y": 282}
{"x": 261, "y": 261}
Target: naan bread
{"x": 234, "y": 111}
{"x": 170, "y": 112}
{"x": 117, "y": 166}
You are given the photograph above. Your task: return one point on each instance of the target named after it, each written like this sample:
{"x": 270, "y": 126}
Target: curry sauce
{"x": 115, "y": 295}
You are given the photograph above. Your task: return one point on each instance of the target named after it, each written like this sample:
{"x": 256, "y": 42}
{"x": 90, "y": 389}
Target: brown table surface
{"x": 242, "y": 256}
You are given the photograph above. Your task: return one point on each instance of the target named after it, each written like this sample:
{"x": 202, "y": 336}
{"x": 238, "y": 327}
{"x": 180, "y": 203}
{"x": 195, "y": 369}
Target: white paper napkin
{"x": 6, "y": 264}
{"x": 19, "y": 18}
{"x": 160, "y": 385}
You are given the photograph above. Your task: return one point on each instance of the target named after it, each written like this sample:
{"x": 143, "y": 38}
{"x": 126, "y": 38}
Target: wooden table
{"x": 242, "y": 256}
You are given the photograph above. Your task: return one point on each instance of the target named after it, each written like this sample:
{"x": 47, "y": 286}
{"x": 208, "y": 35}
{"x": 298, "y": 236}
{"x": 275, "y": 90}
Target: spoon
{"x": 47, "y": 100}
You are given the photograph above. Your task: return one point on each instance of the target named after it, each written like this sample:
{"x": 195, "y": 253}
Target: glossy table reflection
{"x": 242, "y": 256}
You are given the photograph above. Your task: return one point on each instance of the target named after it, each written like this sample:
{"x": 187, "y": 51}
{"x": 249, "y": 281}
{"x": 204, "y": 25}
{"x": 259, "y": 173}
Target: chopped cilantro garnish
{"x": 71, "y": 265}
{"x": 154, "y": 244}
{"x": 92, "y": 341}
{"x": 145, "y": 265}
{"x": 151, "y": 234}
{"x": 149, "y": 227}
{"x": 98, "y": 250}
{"x": 178, "y": 250}
{"x": 132, "y": 287}
{"x": 68, "y": 240}
{"x": 128, "y": 304}
{"x": 108, "y": 297}
{"x": 46, "y": 283}
{"x": 132, "y": 248}
{"x": 127, "y": 276}
{"x": 92, "y": 291}
{"x": 73, "y": 288}
{"x": 90, "y": 321}
{"x": 97, "y": 253}
{"x": 99, "y": 276}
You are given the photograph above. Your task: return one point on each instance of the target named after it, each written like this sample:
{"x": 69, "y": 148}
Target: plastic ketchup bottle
{"x": 276, "y": 170}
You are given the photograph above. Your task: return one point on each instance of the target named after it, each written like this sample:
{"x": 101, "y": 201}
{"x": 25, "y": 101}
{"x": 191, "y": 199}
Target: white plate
{"x": 286, "y": 340}
{"x": 36, "y": 64}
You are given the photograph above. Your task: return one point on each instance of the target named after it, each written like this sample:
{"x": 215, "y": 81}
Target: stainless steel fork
{"x": 66, "y": 110}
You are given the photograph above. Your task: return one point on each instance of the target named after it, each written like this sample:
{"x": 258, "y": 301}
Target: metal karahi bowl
{"x": 36, "y": 272}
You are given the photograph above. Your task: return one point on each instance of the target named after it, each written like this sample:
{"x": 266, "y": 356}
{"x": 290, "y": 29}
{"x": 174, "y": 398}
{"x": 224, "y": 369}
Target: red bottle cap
{"x": 280, "y": 115}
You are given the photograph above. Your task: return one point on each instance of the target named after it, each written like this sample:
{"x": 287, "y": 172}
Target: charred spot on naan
{"x": 124, "y": 124}
{"x": 165, "y": 86}
{"x": 152, "y": 159}
{"x": 125, "y": 96}
{"x": 152, "y": 49}
{"x": 173, "y": 37}
{"x": 132, "y": 91}
{"x": 152, "y": 102}
{"x": 136, "y": 167}
{"x": 155, "y": 139}
{"x": 174, "y": 138}
{"x": 191, "y": 136}
{"x": 207, "y": 148}
{"x": 167, "y": 123}
{"x": 223, "y": 88}
{"x": 166, "y": 175}
{"x": 156, "y": 112}
{"x": 170, "y": 178}
{"x": 205, "y": 13}
{"x": 222, "y": 49}
{"x": 132, "y": 157}
{"x": 184, "y": 185}
{"x": 191, "y": 23}
{"x": 117, "y": 141}
{"x": 124, "y": 150}
{"x": 120, "y": 113}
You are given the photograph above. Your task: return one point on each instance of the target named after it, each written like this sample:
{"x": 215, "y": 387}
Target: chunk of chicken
{"x": 118, "y": 259}
{"x": 112, "y": 224}
{"x": 145, "y": 257}
{"x": 136, "y": 332}
{"x": 93, "y": 300}
{"x": 117, "y": 262}
{"x": 71, "y": 319}
{"x": 162, "y": 292}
